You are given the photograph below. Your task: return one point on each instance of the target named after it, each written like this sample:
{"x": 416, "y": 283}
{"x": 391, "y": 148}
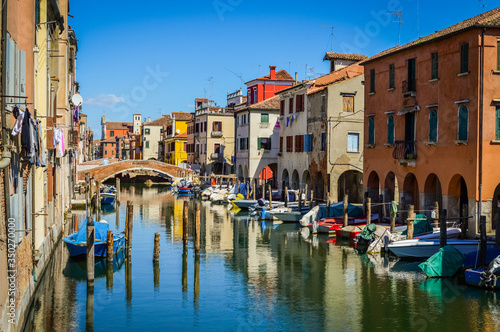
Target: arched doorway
{"x": 432, "y": 193}
{"x": 240, "y": 171}
{"x": 410, "y": 192}
{"x": 495, "y": 208}
{"x": 295, "y": 180}
{"x": 373, "y": 187}
{"x": 285, "y": 178}
{"x": 458, "y": 201}
{"x": 351, "y": 183}
{"x": 391, "y": 188}
{"x": 245, "y": 174}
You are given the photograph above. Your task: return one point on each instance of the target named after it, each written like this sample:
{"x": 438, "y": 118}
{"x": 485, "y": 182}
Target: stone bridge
{"x": 103, "y": 172}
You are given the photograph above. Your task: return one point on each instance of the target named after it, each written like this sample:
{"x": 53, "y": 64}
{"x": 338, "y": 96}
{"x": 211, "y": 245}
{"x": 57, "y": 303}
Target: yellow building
{"x": 175, "y": 138}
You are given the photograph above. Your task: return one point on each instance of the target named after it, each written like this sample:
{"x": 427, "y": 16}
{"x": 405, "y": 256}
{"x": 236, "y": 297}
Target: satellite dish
{"x": 77, "y": 99}
{"x": 178, "y": 131}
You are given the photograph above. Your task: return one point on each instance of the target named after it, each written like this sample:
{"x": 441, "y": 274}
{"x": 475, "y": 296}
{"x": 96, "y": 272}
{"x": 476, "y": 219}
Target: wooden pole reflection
{"x": 156, "y": 273}
{"x": 196, "y": 279}
{"x": 184, "y": 269}
{"x": 89, "y": 321}
{"x": 128, "y": 279}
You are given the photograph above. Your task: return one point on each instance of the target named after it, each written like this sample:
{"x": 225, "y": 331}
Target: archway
{"x": 432, "y": 193}
{"x": 295, "y": 180}
{"x": 351, "y": 183}
{"x": 373, "y": 187}
{"x": 410, "y": 192}
{"x": 495, "y": 208}
{"x": 240, "y": 171}
{"x": 245, "y": 174}
{"x": 458, "y": 201}
{"x": 391, "y": 188}
{"x": 285, "y": 178}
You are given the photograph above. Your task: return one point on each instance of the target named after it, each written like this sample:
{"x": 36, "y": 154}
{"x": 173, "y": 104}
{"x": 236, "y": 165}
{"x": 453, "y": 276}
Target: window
{"x": 205, "y": 126}
{"x": 282, "y": 107}
{"x": 244, "y": 143}
{"x": 216, "y": 147}
{"x": 264, "y": 117}
{"x": 146, "y": 131}
{"x": 323, "y": 103}
{"x": 184, "y": 146}
{"x": 390, "y": 129}
{"x": 498, "y": 54}
{"x": 412, "y": 83}
{"x": 463, "y": 119}
{"x": 308, "y": 143}
{"x": 147, "y": 144}
{"x": 197, "y": 128}
{"x": 217, "y": 126}
{"x": 391, "y": 76}
{"x": 299, "y": 143}
{"x": 497, "y": 123}
{"x": 464, "y": 58}
{"x": 300, "y": 103}
{"x": 289, "y": 144}
{"x": 290, "y": 105}
{"x": 281, "y": 143}
{"x": 348, "y": 103}
{"x": 244, "y": 119}
{"x": 237, "y": 121}
{"x": 254, "y": 95}
{"x": 372, "y": 80}
{"x": 434, "y": 66}
{"x": 111, "y": 133}
{"x": 371, "y": 131}
{"x": 353, "y": 142}
{"x": 323, "y": 141}
{"x": 433, "y": 126}
{"x": 264, "y": 143}
{"x": 105, "y": 151}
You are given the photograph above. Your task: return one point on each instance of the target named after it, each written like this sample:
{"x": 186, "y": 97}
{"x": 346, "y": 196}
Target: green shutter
{"x": 462, "y": 123}
{"x": 390, "y": 130}
{"x": 497, "y": 124}
{"x": 371, "y": 131}
{"x": 433, "y": 126}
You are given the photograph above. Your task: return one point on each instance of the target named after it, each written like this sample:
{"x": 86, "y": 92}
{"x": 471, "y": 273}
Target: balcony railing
{"x": 405, "y": 150}
{"x": 264, "y": 125}
{"x": 409, "y": 86}
{"x": 216, "y": 156}
{"x": 216, "y": 133}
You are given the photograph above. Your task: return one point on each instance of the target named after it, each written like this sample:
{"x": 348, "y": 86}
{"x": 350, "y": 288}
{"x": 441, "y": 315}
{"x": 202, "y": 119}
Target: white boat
{"x": 425, "y": 248}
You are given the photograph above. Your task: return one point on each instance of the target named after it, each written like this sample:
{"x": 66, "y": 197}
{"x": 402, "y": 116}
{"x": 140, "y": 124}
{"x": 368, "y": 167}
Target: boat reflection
{"x": 76, "y": 269}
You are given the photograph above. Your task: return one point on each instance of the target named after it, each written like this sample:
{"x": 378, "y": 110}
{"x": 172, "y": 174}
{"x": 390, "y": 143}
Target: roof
{"x": 182, "y": 116}
{"x": 337, "y": 76}
{"x": 109, "y": 140}
{"x": 344, "y": 56}
{"x": 118, "y": 125}
{"x": 270, "y": 103}
{"x": 182, "y": 135}
{"x": 280, "y": 75}
{"x": 159, "y": 122}
{"x": 488, "y": 19}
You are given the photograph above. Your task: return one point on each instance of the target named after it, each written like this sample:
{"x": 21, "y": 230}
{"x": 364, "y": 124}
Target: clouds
{"x": 103, "y": 101}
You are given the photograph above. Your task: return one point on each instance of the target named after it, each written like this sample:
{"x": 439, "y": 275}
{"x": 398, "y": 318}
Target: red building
{"x": 265, "y": 87}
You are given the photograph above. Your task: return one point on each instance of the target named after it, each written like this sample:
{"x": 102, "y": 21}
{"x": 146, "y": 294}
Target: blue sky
{"x": 155, "y": 57}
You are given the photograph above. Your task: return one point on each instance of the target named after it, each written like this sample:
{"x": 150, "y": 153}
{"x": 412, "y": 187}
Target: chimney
{"x": 295, "y": 77}
{"x": 149, "y": 119}
{"x": 273, "y": 72}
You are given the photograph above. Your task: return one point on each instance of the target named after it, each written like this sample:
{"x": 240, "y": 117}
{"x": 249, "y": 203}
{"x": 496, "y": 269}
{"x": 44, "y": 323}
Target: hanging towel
{"x": 41, "y": 151}
{"x": 32, "y": 150}
{"x": 19, "y": 123}
{"x": 59, "y": 141}
{"x": 25, "y": 132}
{"x": 287, "y": 120}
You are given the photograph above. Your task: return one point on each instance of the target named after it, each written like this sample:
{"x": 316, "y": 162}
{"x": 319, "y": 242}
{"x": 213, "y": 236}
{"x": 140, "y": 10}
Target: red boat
{"x": 332, "y": 225}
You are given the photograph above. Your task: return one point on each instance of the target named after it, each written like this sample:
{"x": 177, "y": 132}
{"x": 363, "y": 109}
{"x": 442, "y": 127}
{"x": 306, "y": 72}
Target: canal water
{"x": 248, "y": 276}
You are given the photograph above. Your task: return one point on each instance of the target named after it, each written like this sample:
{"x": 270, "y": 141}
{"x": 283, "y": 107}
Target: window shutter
{"x": 434, "y": 68}
{"x": 290, "y": 105}
{"x": 282, "y": 107}
{"x": 258, "y": 143}
{"x": 391, "y": 76}
{"x": 498, "y": 55}
{"x": 390, "y": 130}
{"x": 433, "y": 126}
{"x": 462, "y": 123}
{"x": 497, "y": 124}
{"x": 372, "y": 80}
{"x": 464, "y": 58}
{"x": 371, "y": 131}
{"x": 281, "y": 143}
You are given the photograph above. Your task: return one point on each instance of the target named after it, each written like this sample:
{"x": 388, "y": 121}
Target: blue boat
{"x": 107, "y": 198}
{"x": 478, "y": 278}
{"x": 77, "y": 242}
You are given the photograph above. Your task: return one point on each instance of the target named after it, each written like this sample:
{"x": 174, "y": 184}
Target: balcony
{"x": 409, "y": 87}
{"x": 217, "y": 134}
{"x": 73, "y": 137}
{"x": 405, "y": 152}
{"x": 264, "y": 125}
{"x": 217, "y": 156}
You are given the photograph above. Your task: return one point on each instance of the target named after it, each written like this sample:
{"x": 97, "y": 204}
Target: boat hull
{"x": 426, "y": 248}
{"x": 473, "y": 277}
{"x": 244, "y": 204}
{"x": 107, "y": 198}
{"x": 100, "y": 247}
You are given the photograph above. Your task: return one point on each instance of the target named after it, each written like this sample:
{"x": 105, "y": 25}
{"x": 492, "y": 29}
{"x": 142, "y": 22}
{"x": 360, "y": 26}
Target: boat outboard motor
{"x": 489, "y": 277}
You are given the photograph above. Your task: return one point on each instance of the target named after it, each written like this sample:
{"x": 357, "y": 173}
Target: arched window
{"x": 390, "y": 129}
{"x": 433, "y": 126}
{"x": 371, "y": 131}
{"x": 463, "y": 123}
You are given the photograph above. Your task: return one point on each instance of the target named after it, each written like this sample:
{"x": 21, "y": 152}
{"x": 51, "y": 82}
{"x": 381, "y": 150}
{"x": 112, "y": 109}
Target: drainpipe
{"x": 481, "y": 103}
{"x": 6, "y": 156}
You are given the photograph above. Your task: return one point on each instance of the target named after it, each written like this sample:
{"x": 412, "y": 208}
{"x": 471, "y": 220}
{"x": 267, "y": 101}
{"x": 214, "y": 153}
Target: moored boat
{"x": 245, "y": 204}
{"x": 419, "y": 248}
{"x": 107, "y": 198}
{"x": 77, "y": 242}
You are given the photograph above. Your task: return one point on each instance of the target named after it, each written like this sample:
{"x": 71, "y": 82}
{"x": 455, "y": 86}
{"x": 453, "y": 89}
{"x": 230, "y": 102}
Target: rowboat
{"x": 107, "y": 198}
{"x": 245, "y": 204}
{"x": 77, "y": 242}
{"x": 425, "y": 248}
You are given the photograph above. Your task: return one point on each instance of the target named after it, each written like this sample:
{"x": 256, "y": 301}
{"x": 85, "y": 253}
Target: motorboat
{"x": 425, "y": 248}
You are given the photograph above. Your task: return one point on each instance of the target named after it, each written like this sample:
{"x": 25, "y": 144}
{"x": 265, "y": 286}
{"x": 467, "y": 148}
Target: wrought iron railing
{"x": 405, "y": 150}
{"x": 409, "y": 86}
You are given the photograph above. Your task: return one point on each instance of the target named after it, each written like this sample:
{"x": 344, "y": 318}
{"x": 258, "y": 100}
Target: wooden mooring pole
{"x": 328, "y": 204}
{"x": 184, "y": 269}
{"x": 442, "y": 229}
{"x": 311, "y": 202}
{"x": 109, "y": 249}
{"x": 346, "y": 215}
{"x": 156, "y": 248}
{"x": 270, "y": 197}
{"x": 411, "y": 222}
{"x": 482, "y": 225}
{"x": 436, "y": 214}
{"x": 117, "y": 185}
{"x": 286, "y": 196}
{"x": 90, "y": 249}
{"x": 185, "y": 213}
{"x": 368, "y": 210}
{"x": 130, "y": 226}
{"x": 98, "y": 201}
{"x": 300, "y": 198}
{"x": 305, "y": 195}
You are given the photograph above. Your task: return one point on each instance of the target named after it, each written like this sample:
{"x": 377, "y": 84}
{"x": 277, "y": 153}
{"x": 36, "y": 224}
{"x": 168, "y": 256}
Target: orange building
{"x": 432, "y": 121}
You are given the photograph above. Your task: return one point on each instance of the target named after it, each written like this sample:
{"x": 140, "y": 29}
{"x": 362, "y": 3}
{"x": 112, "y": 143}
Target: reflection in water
{"x": 250, "y": 275}
{"x": 89, "y": 318}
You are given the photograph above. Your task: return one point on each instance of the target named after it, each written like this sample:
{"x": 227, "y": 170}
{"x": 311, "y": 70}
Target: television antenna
{"x": 237, "y": 75}
{"x": 211, "y": 82}
{"x": 397, "y": 14}
{"x": 483, "y": 4}
{"x": 331, "y": 36}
